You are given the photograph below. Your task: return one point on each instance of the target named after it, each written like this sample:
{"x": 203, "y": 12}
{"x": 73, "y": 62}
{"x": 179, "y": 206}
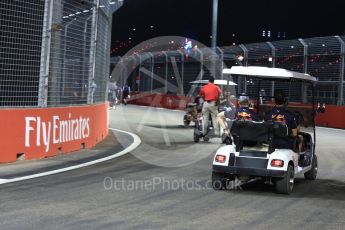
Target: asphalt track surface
{"x": 164, "y": 184}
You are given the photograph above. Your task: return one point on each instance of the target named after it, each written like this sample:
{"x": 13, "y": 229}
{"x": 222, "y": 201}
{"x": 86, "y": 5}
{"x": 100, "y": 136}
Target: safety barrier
{"x": 334, "y": 116}
{"x": 160, "y": 100}
{"x": 46, "y": 132}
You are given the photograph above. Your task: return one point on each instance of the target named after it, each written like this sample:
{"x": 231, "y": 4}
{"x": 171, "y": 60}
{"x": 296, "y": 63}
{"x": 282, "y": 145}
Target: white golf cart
{"x": 245, "y": 162}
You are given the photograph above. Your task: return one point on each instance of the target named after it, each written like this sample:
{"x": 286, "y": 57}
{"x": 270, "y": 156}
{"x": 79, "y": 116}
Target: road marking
{"x": 330, "y": 128}
{"x": 134, "y": 145}
{"x": 160, "y": 108}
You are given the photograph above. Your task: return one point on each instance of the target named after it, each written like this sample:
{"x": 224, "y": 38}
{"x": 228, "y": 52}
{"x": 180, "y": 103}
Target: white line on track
{"x": 330, "y": 128}
{"x": 146, "y": 106}
{"x": 135, "y": 144}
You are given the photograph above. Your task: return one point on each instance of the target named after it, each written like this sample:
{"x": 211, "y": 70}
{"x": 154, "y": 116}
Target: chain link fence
{"x": 54, "y": 52}
{"x": 321, "y": 57}
{"x": 21, "y": 24}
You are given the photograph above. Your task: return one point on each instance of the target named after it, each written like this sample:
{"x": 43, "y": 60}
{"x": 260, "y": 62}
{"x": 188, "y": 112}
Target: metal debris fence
{"x": 322, "y": 57}
{"x": 54, "y": 52}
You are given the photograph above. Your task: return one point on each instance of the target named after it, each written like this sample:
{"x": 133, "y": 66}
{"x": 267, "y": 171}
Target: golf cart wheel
{"x": 196, "y": 138}
{"x": 312, "y": 173}
{"x": 226, "y": 139}
{"x": 206, "y": 139}
{"x": 285, "y": 185}
{"x": 186, "y": 122}
{"x": 218, "y": 181}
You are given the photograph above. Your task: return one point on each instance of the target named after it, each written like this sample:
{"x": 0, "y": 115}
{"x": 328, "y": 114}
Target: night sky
{"x": 245, "y": 19}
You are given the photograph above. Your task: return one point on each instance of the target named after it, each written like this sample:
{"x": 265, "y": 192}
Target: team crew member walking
{"x": 210, "y": 93}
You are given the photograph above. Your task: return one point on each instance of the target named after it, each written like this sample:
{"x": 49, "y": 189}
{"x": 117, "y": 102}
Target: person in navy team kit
{"x": 244, "y": 113}
{"x": 280, "y": 114}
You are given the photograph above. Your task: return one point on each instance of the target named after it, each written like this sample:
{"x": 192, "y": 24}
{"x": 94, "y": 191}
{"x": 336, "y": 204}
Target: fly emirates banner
{"x": 39, "y": 133}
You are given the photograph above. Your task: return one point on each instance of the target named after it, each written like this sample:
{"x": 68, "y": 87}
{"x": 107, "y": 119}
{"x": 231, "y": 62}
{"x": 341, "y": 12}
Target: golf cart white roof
{"x": 267, "y": 72}
{"x": 217, "y": 82}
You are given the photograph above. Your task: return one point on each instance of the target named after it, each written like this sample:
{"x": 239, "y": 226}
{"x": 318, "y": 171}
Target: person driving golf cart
{"x": 280, "y": 114}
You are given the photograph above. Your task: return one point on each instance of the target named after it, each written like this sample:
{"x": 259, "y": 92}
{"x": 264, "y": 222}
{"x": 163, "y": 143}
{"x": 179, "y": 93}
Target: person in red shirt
{"x": 210, "y": 93}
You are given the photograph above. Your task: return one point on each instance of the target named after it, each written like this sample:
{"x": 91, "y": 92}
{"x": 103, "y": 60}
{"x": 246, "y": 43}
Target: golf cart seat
{"x": 257, "y": 132}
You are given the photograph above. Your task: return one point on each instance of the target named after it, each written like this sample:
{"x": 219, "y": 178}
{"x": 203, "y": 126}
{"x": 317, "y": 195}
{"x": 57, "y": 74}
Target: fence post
{"x": 152, "y": 69}
{"x": 85, "y": 68}
{"x": 139, "y": 75}
{"x": 166, "y": 72}
{"x": 93, "y": 47}
{"x": 341, "y": 73}
{"x": 64, "y": 54}
{"x": 221, "y": 62}
{"x": 123, "y": 77}
{"x": 182, "y": 71}
{"x": 245, "y": 62}
{"x": 45, "y": 54}
{"x": 273, "y": 64}
{"x": 305, "y": 69}
{"x": 201, "y": 62}
{"x": 305, "y": 55}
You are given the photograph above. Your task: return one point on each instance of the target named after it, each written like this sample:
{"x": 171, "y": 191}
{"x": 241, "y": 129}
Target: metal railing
{"x": 322, "y": 57}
